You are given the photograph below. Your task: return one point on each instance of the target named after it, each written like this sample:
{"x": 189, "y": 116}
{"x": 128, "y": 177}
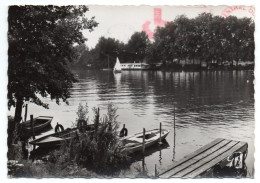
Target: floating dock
{"x": 219, "y": 152}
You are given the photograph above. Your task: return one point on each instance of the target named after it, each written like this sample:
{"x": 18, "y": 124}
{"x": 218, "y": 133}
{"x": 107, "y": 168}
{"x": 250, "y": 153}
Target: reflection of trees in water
{"x": 202, "y": 92}
{"x": 202, "y": 88}
{"x": 102, "y": 82}
{"x": 193, "y": 92}
{"x": 172, "y": 87}
{"x": 138, "y": 87}
{"x": 91, "y": 84}
{"x": 132, "y": 85}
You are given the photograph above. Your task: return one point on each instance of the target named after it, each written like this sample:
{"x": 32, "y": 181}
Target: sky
{"x": 120, "y": 22}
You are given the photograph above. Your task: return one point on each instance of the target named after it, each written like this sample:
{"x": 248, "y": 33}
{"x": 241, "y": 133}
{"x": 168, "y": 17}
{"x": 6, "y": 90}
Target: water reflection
{"x": 117, "y": 77}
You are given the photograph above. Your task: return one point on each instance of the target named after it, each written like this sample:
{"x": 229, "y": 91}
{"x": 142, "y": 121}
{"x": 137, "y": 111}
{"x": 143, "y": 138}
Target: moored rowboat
{"x": 54, "y": 139}
{"x": 135, "y": 143}
{"x": 39, "y": 123}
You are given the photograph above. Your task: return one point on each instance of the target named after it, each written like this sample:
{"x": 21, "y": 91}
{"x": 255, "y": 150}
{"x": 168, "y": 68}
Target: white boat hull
{"x": 135, "y": 143}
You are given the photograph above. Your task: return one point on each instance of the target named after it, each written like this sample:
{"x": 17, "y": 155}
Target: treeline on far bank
{"x": 205, "y": 41}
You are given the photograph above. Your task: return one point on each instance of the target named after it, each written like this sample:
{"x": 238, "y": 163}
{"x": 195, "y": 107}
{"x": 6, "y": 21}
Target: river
{"x": 208, "y": 105}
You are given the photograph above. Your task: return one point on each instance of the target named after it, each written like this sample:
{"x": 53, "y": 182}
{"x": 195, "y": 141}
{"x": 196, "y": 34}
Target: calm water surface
{"x": 209, "y": 105}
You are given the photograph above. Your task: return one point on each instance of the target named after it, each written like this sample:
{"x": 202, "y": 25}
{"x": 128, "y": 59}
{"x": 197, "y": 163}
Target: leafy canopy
{"x": 42, "y": 41}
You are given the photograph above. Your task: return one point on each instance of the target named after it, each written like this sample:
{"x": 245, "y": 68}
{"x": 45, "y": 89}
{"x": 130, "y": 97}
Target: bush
{"x": 98, "y": 149}
{"x": 82, "y": 120}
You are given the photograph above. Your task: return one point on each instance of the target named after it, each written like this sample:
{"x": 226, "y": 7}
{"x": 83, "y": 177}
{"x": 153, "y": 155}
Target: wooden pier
{"x": 219, "y": 152}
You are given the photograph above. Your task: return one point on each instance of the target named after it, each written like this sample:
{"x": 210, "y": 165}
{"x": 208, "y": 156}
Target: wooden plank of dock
{"x": 204, "y": 158}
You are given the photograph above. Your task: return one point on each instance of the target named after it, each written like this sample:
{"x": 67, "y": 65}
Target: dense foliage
{"x": 98, "y": 149}
{"x": 42, "y": 41}
{"x": 205, "y": 38}
{"x": 107, "y": 49}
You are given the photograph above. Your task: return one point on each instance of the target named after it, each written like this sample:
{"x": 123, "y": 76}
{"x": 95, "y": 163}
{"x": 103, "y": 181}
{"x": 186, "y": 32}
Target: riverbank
{"x": 87, "y": 153}
{"x": 188, "y": 67}
{"x": 198, "y": 67}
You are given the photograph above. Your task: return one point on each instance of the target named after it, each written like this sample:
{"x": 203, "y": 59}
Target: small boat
{"x": 135, "y": 143}
{"x": 55, "y": 139}
{"x": 117, "y": 68}
{"x": 39, "y": 123}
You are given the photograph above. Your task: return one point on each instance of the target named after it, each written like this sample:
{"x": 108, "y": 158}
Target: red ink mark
{"x": 228, "y": 10}
{"x": 252, "y": 11}
{"x": 147, "y": 29}
{"x": 158, "y": 17}
{"x": 158, "y": 22}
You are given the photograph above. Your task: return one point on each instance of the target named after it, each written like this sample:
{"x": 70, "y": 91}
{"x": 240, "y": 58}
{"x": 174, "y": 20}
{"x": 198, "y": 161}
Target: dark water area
{"x": 208, "y": 105}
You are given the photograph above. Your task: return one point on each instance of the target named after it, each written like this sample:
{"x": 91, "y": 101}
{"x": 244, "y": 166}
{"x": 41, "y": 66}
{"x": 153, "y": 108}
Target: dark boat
{"x": 135, "y": 143}
{"x": 39, "y": 123}
{"x": 56, "y": 139}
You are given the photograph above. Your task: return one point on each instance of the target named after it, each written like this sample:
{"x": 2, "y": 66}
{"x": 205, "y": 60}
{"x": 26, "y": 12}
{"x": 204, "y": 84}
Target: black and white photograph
{"x": 147, "y": 91}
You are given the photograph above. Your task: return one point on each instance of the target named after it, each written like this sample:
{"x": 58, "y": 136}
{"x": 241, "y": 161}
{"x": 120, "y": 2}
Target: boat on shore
{"x": 39, "y": 123}
{"x": 57, "y": 138}
{"x": 135, "y": 143}
{"x": 117, "y": 67}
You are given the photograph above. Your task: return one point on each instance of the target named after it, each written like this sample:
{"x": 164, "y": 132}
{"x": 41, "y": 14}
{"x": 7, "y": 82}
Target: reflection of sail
{"x": 117, "y": 78}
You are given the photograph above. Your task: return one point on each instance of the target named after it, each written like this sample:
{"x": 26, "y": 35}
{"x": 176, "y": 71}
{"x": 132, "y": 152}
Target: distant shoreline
{"x": 178, "y": 68}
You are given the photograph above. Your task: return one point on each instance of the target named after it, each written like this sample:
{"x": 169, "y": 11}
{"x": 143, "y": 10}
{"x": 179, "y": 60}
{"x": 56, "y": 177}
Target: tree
{"x": 80, "y": 50}
{"x": 164, "y": 40}
{"x": 106, "y": 49}
{"x": 205, "y": 38}
{"x": 41, "y": 43}
{"x": 245, "y": 38}
{"x": 138, "y": 45}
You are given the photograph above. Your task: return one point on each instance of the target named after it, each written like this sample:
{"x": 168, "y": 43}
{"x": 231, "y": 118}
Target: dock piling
{"x": 143, "y": 140}
{"x": 160, "y": 142}
{"x": 155, "y": 171}
{"x": 25, "y": 114}
{"x": 174, "y": 116}
{"x": 32, "y": 126}
{"x": 243, "y": 159}
{"x": 143, "y": 164}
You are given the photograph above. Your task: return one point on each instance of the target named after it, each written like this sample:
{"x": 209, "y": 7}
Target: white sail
{"x": 117, "y": 67}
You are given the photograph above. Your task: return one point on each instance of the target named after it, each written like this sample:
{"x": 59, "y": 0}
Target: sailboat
{"x": 117, "y": 68}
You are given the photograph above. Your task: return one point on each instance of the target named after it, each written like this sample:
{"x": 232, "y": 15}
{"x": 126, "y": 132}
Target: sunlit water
{"x": 208, "y": 105}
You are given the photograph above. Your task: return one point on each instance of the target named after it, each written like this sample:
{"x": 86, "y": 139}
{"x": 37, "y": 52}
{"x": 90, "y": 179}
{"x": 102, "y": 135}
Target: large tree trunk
{"x": 18, "y": 110}
{"x": 13, "y": 124}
